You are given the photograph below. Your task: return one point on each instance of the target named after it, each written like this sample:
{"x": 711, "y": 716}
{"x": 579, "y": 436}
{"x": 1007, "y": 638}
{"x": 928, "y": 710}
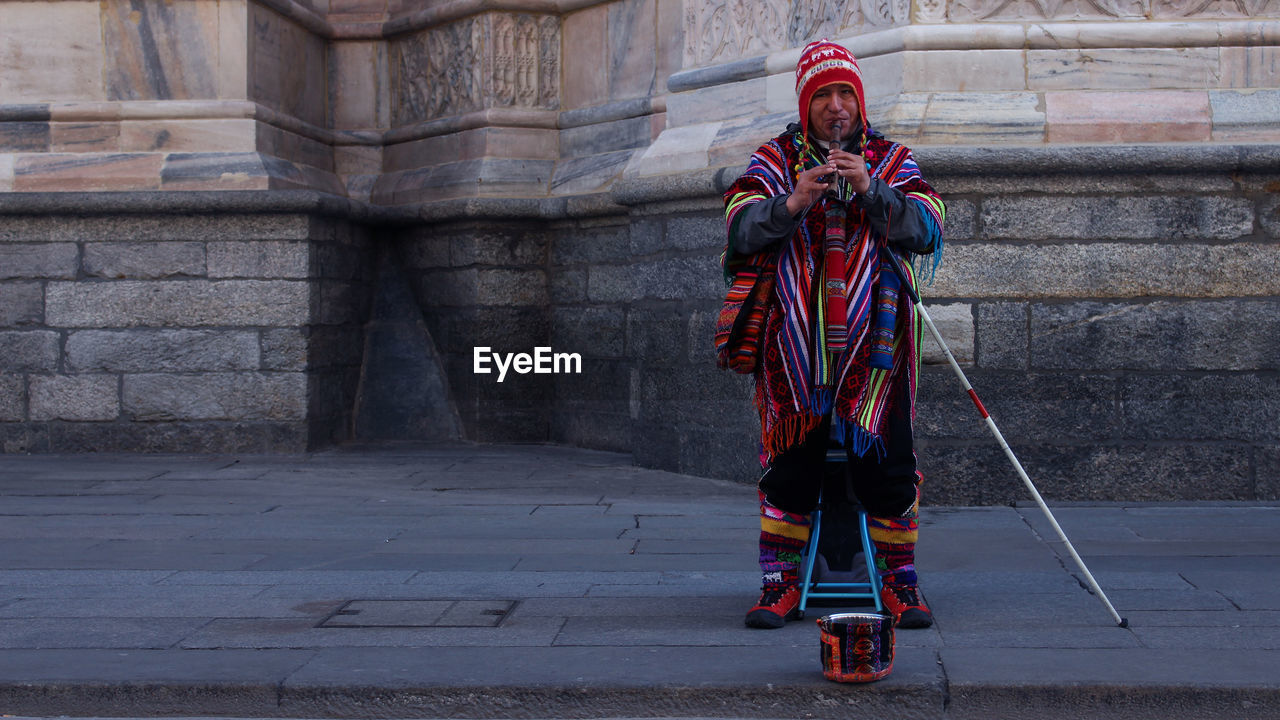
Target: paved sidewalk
{"x": 547, "y": 582}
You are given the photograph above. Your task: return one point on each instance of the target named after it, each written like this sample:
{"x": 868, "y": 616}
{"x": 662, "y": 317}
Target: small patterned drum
{"x": 857, "y": 647}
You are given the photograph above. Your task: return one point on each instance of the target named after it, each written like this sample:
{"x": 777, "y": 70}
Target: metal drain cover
{"x": 419, "y": 614}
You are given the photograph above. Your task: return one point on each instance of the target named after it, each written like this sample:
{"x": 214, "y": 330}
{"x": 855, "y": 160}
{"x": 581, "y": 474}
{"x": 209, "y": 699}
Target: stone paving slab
{"x": 201, "y": 586}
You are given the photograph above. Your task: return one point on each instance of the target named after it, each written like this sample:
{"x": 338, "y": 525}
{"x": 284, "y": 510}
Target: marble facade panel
{"x": 585, "y": 33}
{"x": 719, "y": 102}
{"x": 883, "y": 76}
{"x": 677, "y": 150}
{"x": 6, "y": 172}
{"x": 357, "y": 7}
{"x": 633, "y": 133}
{"x": 187, "y": 136}
{"x": 421, "y": 153}
{"x": 491, "y": 177}
{"x": 632, "y": 49}
{"x": 55, "y": 172}
{"x": 1108, "y": 34}
{"x": 964, "y": 71}
{"x": 358, "y": 90}
{"x": 737, "y": 139}
{"x": 287, "y": 66}
{"x": 529, "y": 143}
{"x": 286, "y": 175}
{"x": 215, "y": 171}
{"x": 780, "y": 93}
{"x": 510, "y": 142}
{"x": 1165, "y": 116}
{"x": 670, "y": 33}
{"x": 233, "y": 49}
{"x": 33, "y": 69}
{"x": 967, "y": 118}
{"x": 71, "y": 137}
{"x": 657, "y": 123}
{"x": 160, "y": 51}
{"x": 899, "y": 117}
{"x": 24, "y": 137}
{"x": 1127, "y": 68}
{"x": 594, "y": 173}
{"x": 182, "y": 59}
{"x": 357, "y": 160}
{"x": 293, "y": 147}
{"x": 1250, "y": 67}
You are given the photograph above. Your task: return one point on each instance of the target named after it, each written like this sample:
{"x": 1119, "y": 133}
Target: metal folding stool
{"x": 810, "y": 588}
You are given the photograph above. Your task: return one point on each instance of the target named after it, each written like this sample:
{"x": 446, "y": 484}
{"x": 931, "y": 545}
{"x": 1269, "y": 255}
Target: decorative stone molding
{"x": 1002, "y": 10}
{"x": 487, "y": 61}
{"x": 720, "y": 30}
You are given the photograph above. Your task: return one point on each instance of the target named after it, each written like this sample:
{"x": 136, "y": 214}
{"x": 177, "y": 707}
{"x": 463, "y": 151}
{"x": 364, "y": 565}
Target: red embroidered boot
{"x": 906, "y": 605}
{"x": 776, "y": 606}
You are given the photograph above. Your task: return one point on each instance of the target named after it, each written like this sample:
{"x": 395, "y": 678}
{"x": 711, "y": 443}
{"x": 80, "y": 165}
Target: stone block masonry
{"x": 1119, "y": 326}
{"x": 181, "y": 325}
{"x": 484, "y": 284}
{"x": 1124, "y": 337}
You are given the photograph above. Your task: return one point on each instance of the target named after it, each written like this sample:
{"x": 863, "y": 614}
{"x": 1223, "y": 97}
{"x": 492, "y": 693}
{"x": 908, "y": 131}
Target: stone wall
{"x": 1125, "y": 336}
{"x": 1119, "y": 325}
{"x": 194, "y": 324}
{"x": 484, "y": 285}
{"x": 276, "y": 224}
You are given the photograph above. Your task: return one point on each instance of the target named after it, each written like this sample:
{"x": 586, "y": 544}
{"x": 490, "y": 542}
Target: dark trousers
{"x": 885, "y": 487}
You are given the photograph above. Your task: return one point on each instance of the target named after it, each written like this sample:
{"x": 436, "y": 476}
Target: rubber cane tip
{"x": 1124, "y": 622}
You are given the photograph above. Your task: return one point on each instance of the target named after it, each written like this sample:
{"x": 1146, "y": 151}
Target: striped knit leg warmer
{"x": 895, "y": 541}
{"x": 783, "y": 536}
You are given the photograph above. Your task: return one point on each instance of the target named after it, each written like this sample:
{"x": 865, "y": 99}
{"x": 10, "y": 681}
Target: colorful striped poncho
{"x": 799, "y": 377}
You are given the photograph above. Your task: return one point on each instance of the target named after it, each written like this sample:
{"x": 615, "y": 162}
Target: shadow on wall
{"x": 403, "y": 393}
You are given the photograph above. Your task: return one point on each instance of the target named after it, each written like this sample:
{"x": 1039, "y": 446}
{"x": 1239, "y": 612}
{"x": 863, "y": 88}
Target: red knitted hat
{"x": 822, "y": 63}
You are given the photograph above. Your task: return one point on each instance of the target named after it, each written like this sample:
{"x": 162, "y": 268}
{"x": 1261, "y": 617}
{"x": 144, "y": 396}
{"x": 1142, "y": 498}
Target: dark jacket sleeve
{"x": 898, "y": 218}
{"x": 762, "y": 224}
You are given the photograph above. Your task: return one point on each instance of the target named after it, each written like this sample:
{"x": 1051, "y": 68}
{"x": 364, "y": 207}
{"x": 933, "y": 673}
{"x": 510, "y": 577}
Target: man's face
{"x": 832, "y": 105}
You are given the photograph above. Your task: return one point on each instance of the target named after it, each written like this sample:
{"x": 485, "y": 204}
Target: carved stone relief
{"x": 877, "y": 14}
{"x": 814, "y": 20}
{"x": 725, "y": 29}
{"x": 492, "y": 60}
{"x": 722, "y": 30}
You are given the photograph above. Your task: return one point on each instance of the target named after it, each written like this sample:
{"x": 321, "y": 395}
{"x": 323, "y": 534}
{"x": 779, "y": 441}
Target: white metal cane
{"x": 991, "y": 425}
